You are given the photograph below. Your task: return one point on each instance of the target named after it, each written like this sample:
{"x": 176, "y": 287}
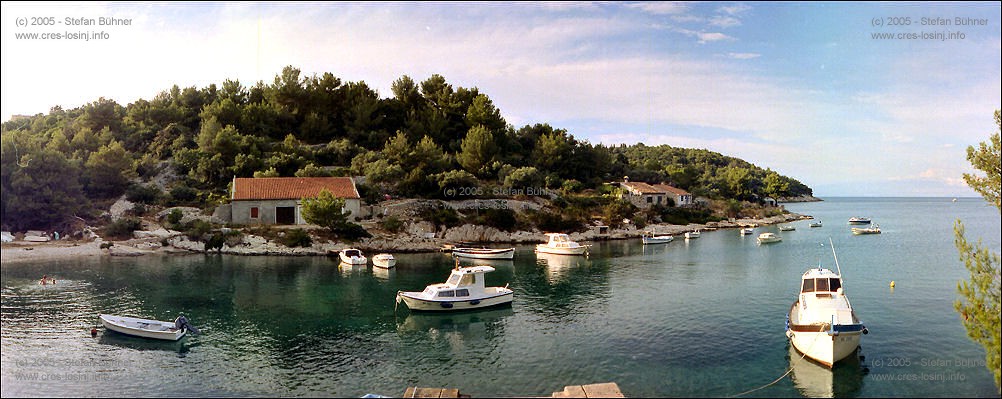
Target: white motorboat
{"x": 352, "y": 256}
{"x": 816, "y": 224}
{"x": 821, "y": 323}
{"x": 561, "y": 244}
{"x": 766, "y": 238}
{"x": 692, "y": 234}
{"x": 651, "y": 238}
{"x": 859, "y": 220}
{"x": 747, "y": 231}
{"x": 384, "y": 261}
{"x": 166, "y": 330}
{"x": 787, "y": 228}
{"x": 868, "y": 230}
{"x": 465, "y": 289}
{"x": 484, "y": 253}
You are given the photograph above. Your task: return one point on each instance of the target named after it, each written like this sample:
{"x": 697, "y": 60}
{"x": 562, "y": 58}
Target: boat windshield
{"x": 468, "y": 279}
{"x": 821, "y": 285}
{"x": 454, "y": 279}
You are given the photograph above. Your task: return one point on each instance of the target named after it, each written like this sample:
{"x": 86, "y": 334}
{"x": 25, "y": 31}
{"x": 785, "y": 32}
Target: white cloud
{"x": 661, "y": 7}
{"x": 736, "y": 9}
{"x": 744, "y": 56}
{"x": 724, "y": 21}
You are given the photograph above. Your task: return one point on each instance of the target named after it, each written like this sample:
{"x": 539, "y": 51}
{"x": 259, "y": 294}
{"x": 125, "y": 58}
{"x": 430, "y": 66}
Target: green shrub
{"x": 501, "y": 219}
{"x": 149, "y": 194}
{"x": 174, "y": 218}
{"x": 122, "y": 229}
{"x": 352, "y": 232}
{"x": 391, "y": 224}
{"x": 198, "y": 230}
{"x": 297, "y": 238}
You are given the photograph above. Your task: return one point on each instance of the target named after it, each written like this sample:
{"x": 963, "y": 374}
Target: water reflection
{"x": 461, "y": 321}
{"x": 383, "y": 274}
{"x": 181, "y": 347}
{"x": 816, "y": 381}
{"x": 558, "y": 267}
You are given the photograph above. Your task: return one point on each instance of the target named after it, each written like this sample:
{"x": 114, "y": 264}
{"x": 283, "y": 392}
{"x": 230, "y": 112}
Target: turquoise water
{"x": 697, "y": 318}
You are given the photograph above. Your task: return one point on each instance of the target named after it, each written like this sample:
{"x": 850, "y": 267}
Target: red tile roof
{"x": 670, "y": 189}
{"x": 276, "y": 188}
{"x": 642, "y": 188}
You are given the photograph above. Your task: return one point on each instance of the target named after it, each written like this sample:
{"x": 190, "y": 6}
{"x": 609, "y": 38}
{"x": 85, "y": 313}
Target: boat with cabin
{"x": 692, "y": 234}
{"x": 787, "y": 227}
{"x": 767, "y": 238}
{"x": 146, "y": 328}
{"x": 821, "y": 323}
{"x": 384, "y": 261}
{"x": 859, "y": 220}
{"x": 464, "y": 290}
{"x": 815, "y": 224}
{"x": 867, "y": 230}
{"x": 352, "y": 256}
{"x": 561, "y": 244}
{"x": 747, "y": 231}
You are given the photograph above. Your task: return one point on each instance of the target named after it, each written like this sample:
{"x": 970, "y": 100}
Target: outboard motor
{"x": 182, "y": 322}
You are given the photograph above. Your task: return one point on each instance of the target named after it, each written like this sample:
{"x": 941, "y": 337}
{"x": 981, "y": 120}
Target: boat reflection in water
{"x": 495, "y": 263}
{"x": 814, "y": 380}
{"x": 559, "y": 266}
{"x": 181, "y": 347}
{"x": 384, "y": 274}
{"x": 348, "y": 269}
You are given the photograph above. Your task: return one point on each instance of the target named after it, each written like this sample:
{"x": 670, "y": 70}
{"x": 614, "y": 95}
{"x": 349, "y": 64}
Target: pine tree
{"x": 981, "y": 304}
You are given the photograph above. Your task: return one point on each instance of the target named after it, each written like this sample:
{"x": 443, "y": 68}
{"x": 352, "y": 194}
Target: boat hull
{"x": 657, "y": 240}
{"x": 414, "y": 302}
{"x": 481, "y": 254}
{"x": 352, "y": 260}
{"x": 769, "y": 240}
{"x": 825, "y": 348}
{"x": 131, "y": 326}
{"x": 384, "y": 263}
{"x": 561, "y": 251}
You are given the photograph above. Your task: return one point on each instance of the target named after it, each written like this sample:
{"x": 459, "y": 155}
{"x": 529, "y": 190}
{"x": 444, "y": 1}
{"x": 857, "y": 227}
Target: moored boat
{"x": 868, "y": 230}
{"x": 745, "y": 231}
{"x": 787, "y": 228}
{"x": 692, "y": 234}
{"x": 352, "y": 256}
{"x": 465, "y": 289}
{"x": 766, "y": 238}
{"x": 859, "y": 220}
{"x": 815, "y": 224}
{"x": 561, "y": 244}
{"x": 651, "y": 238}
{"x": 484, "y": 253}
{"x": 156, "y": 329}
{"x": 821, "y": 323}
{"x": 384, "y": 261}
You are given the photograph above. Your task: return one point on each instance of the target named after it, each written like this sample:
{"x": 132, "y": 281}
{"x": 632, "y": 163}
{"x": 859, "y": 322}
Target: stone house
{"x": 645, "y": 195}
{"x": 278, "y": 200}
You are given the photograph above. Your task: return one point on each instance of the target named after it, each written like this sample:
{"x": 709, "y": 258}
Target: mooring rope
{"x": 784, "y": 374}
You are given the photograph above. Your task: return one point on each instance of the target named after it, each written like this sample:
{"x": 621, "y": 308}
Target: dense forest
{"x": 426, "y": 140}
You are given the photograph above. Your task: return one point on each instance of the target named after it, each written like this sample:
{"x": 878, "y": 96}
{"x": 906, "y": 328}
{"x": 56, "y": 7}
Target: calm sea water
{"x": 698, "y": 318}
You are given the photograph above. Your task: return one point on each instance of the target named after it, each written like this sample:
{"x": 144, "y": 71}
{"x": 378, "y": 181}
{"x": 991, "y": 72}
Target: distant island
{"x": 111, "y": 171}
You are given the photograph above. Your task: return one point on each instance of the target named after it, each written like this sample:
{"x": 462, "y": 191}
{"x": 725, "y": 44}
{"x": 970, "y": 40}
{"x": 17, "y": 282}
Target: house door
{"x": 285, "y": 215}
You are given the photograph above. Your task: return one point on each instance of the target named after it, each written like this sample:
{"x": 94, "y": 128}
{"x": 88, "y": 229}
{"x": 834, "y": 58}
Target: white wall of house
{"x": 242, "y": 211}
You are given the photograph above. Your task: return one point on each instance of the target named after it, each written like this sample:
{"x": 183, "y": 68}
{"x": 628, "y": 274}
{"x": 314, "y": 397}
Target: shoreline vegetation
{"x": 163, "y": 242}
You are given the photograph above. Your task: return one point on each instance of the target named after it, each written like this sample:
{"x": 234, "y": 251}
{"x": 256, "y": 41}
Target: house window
{"x": 659, "y": 200}
{"x": 253, "y": 212}
{"x": 650, "y": 199}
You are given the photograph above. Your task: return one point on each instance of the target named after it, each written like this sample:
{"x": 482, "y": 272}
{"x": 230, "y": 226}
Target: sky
{"x": 806, "y": 89}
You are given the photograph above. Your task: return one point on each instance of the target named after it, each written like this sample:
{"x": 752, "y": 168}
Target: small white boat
{"x": 859, "y": 220}
{"x": 747, "y": 231}
{"x": 692, "y": 234}
{"x": 821, "y": 323}
{"x": 166, "y": 330}
{"x": 787, "y": 228}
{"x": 484, "y": 253}
{"x": 815, "y": 224}
{"x": 561, "y": 244}
{"x": 651, "y": 238}
{"x": 384, "y": 261}
{"x": 766, "y": 238}
{"x": 352, "y": 256}
{"x": 868, "y": 230}
{"x": 465, "y": 289}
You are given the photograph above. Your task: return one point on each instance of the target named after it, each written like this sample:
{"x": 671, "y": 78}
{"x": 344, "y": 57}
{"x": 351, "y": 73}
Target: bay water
{"x": 703, "y": 317}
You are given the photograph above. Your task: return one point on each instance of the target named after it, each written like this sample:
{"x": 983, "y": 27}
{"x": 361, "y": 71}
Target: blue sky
{"x": 802, "y": 88}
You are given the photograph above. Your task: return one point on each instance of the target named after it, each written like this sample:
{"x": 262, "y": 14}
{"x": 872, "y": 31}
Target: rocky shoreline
{"x": 414, "y": 239}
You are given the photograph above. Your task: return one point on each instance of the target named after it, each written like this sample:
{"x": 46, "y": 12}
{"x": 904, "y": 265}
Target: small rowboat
{"x": 156, "y": 329}
{"x": 484, "y": 253}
